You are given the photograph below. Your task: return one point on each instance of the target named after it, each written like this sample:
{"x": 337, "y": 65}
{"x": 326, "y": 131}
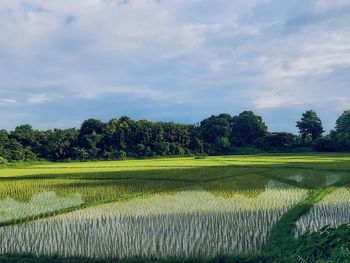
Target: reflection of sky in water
{"x": 45, "y": 202}
{"x": 326, "y": 180}
{"x": 275, "y": 185}
{"x": 184, "y": 223}
{"x": 195, "y": 201}
{"x": 297, "y": 178}
{"x": 332, "y": 179}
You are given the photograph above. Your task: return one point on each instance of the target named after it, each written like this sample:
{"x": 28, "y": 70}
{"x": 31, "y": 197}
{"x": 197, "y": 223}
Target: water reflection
{"x": 11, "y": 209}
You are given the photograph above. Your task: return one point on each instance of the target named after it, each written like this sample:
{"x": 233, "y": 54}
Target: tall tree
{"x": 310, "y": 126}
{"x": 90, "y": 136}
{"x": 247, "y": 128}
{"x": 25, "y": 135}
{"x": 343, "y": 123}
{"x": 340, "y": 137}
{"x": 216, "y": 131}
{"x": 60, "y": 144}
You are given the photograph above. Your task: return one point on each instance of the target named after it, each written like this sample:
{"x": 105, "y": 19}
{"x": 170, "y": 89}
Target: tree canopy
{"x": 310, "y": 126}
{"x": 124, "y": 137}
{"x": 343, "y": 123}
{"x": 248, "y": 127}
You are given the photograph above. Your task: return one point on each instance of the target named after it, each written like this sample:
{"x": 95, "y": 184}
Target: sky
{"x": 63, "y": 61}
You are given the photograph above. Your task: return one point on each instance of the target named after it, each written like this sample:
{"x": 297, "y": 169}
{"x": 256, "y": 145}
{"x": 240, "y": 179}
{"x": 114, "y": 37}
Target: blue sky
{"x": 63, "y": 61}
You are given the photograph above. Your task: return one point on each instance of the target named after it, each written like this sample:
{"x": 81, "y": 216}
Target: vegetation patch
{"x": 217, "y": 209}
{"x": 186, "y": 224}
{"x": 333, "y": 210}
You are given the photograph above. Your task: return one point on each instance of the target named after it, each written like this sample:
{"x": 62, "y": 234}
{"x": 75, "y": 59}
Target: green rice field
{"x": 170, "y": 208}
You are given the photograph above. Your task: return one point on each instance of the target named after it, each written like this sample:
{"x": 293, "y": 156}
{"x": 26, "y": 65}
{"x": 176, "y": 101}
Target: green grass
{"x": 110, "y": 181}
{"x": 282, "y": 235}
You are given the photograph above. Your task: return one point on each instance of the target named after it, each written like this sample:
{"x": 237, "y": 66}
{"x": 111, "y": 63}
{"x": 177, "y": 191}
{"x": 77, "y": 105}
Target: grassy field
{"x": 174, "y": 207}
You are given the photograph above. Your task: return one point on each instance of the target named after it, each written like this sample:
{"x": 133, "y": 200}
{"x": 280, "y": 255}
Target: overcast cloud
{"x": 62, "y": 61}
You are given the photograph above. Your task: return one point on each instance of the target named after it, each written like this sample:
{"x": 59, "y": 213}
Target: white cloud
{"x": 268, "y": 100}
{"x": 7, "y": 101}
{"x": 39, "y": 98}
{"x": 197, "y": 52}
{"x": 108, "y": 33}
{"x": 324, "y": 5}
{"x": 306, "y": 65}
{"x": 136, "y": 92}
{"x": 315, "y": 49}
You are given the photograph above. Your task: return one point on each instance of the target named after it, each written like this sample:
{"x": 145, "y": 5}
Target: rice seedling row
{"x": 218, "y": 205}
{"x": 19, "y": 198}
{"x": 183, "y": 224}
{"x": 333, "y": 210}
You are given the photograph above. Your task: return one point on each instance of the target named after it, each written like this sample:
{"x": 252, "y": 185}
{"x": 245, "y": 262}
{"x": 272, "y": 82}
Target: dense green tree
{"x": 215, "y": 130}
{"x": 277, "y": 141}
{"x": 4, "y": 140}
{"x": 92, "y": 125}
{"x": 325, "y": 144}
{"x": 13, "y": 150}
{"x": 124, "y": 137}
{"x": 310, "y": 126}
{"x": 222, "y": 145}
{"x": 4, "y": 137}
{"x": 247, "y": 128}
{"x": 196, "y": 143}
{"x": 60, "y": 144}
{"x": 90, "y": 136}
{"x": 343, "y": 123}
{"x": 108, "y": 141}
{"x": 162, "y": 149}
{"x": 25, "y": 135}
{"x": 340, "y": 136}
{"x": 215, "y": 127}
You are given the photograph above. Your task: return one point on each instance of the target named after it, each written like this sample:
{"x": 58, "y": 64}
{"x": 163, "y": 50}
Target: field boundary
{"x": 188, "y": 183}
{"x": 126, "y": 198}
{"x": 281, "y": 235}
{"x": 83, "y": 206}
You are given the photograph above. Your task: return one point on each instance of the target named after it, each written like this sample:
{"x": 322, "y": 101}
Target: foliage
{"x": 247, "y": 128}
{"x": 215, "y": 130}
{"x": 329, "y": 244}
{"x": 340, "y": 137}
{"x": 277, "y": 141}
{"x": 334, "y": 208}
{"x": 343, "y": 123}
{"x": 3, "y": 160}
{"x": 325, "y": 144}
{"x": 126, "y": 138}
{"x": 310, "y": 126}
{"x": 232, "y": 181}
{"x": 13, "y": 150}
{"x": 223, "y": 133}
{"x": 182, "y": 224}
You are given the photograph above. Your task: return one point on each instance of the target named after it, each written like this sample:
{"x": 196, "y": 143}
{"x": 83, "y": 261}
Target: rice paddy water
{"x": 188, "y": 223}
{"x": 178, "y": 207}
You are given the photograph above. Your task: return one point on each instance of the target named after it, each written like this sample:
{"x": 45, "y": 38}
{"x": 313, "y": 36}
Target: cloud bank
{"x": 63, "y": 61}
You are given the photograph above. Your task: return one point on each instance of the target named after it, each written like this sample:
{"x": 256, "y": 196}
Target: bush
{"x": 121, "y": 154}
{"x": 341, "y": 141}
{"x": 3, "y": 160}
{"x": 277, "y": 141}
{"x": 201, "y": 156}
{"x": 329, "y": 244}
{"x": 222, "y": 145}
{"x": 325, "y": 144}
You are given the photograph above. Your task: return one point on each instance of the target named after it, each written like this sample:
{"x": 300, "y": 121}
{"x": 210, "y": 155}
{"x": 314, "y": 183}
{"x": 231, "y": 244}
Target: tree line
{"x": 127, "y": 138}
